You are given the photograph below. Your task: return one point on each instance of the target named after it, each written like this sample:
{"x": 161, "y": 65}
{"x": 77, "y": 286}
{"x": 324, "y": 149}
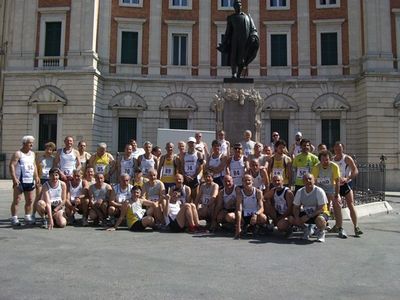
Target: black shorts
{"x": 192, "y": 183}
{"x": 137, "y": 226}
{"x": 43, "y": 181}
{"x": 26, "y": 187}
{"x": 344, "y": 189}
{"x": 174, "y": 226}
{"x": 312, "y": 220}
{"x": 231, "y": 210}
{"x": 246, "y": 220}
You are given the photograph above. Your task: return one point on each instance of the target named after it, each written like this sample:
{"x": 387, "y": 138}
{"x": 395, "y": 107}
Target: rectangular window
{"x": 278, "y": 50}
{"x": 129, "y": 47}
{"x": 47, "y": 129}
{"x": 330, "y": 132}
{"x": 328, "y": 3}
{"x": 175, "y": 123}
{"x": 126, "y": 131}
{"x": 226, "y": 3}
{"x": 329, "y": 49}
{"x": 277, "y": 3}
{"x": 52, "y": 43}
{"x": 282, "y": 127}
{"x": 179, "y": 3}
{"x": 179, "y": 50}
{"x": 224, "y": 55}
{"x": 130, "y": 2}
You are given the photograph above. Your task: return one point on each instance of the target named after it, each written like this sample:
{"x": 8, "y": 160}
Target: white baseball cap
{"x": 299, "y": 133}
{"x": 191, "y": 139}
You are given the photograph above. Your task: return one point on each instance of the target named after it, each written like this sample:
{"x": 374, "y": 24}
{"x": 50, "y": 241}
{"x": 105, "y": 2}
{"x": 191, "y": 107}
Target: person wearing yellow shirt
{"x": 327, "y": 175}
{"x": 102, "y": 162}
{"x": 303, "y": 163}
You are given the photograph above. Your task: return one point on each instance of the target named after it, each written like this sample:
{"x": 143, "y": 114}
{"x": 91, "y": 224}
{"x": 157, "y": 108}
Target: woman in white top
{"x": 52, "y": 204}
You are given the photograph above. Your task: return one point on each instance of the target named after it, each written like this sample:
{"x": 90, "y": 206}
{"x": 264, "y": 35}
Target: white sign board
{"x": 176, "y": 135}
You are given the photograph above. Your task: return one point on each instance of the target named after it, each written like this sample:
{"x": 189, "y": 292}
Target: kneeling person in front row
{"x": 313, "y": 201}
{"x": 54, "y": 197}
{"x": 249, "y": 205}
{"x": 132, "y": 209}
{"x": 279, "y": 204}
{"x": 179, "y": 216}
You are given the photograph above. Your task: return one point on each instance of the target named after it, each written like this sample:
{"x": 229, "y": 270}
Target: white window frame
{"x": 329, "y": 26}
{"x": 140, "y": 4}
{"x": 56, "y": 14}
{"x": 279, "y": 27}
{"x": 129, "y": 25}
{"x": 180, "y": 27}
{"x": 278, "y": 7}
{"x": 187, "y": 7}
{"x": 396, "y": 11}
{"x": 220, "y": 7}
{"x": 322, "y": 6}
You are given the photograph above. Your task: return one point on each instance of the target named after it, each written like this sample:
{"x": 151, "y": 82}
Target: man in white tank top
{"x": 67, "y": 159}
{"x": 225, "y": 147}
{"x": 237, "y": 165}
{"x": 147, "y": 161}
{"x": 200, "y": 145}
{"x": 205, "y": 200}
{"x": 25, "y": 177}
{"x": 348, "y": 171}
{"x": 278, "y": 205}
{"x": 216, "y": 163}
{"x": 226, "y": 202}
{"x": 126, "y": 164}
{"x": 53, "y": 202}
{"x": 83, "y": 155}
{"x": 249, "y": 207}
{"x": 120, "y": 193}
{"x": 260, "y": 177}
{"x": 77, "y": 200}
{"x": 193, "y": 162}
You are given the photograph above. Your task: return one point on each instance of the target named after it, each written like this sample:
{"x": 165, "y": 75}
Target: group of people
{"x": 246, "y": 187}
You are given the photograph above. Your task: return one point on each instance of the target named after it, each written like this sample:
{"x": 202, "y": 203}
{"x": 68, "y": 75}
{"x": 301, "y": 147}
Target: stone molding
{"x": 48, "y": 94}
{"x": 178, "y": 101}
{"x": 128, "y": 100}
{"x": 280, "y": 102}
{"x": 330, "y": 102}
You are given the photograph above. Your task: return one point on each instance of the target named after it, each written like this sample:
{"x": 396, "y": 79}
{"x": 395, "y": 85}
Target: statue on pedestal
{"x": 241, "y": 41}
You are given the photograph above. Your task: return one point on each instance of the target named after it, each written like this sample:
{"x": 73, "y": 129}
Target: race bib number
{"x": 309, "y": 210}
{"x": 168, "y": 171}
{"x": 100, "y": 169}
{"x": 302, "y": 171}
{"x": 237, "y": 173}
{"x": 121, "y": 198}
{"x": 277, "y": 172}
{"x": 55, "y": 203}
{"x": 324, "y": 181}
{"x": 128, "y": 171}
{"x": 280, "y": 208}
{"x": 206, "y": 200}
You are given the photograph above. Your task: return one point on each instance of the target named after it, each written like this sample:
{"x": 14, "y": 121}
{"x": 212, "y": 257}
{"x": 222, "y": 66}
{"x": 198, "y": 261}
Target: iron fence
{"x": 370, "y": 184}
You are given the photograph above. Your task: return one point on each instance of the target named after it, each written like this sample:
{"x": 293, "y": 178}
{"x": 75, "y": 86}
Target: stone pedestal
{"x": 238, "y": 108}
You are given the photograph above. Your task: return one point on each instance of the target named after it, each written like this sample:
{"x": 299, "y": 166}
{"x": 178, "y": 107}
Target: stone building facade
{"x": 105, "y": 70}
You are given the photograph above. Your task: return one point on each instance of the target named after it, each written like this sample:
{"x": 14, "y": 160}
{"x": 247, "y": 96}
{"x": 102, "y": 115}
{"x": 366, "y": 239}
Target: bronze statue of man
{"x": 241, "y": 40}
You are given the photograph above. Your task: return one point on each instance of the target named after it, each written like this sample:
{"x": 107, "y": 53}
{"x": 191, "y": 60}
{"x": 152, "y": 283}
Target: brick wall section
{"x": 394, "y": 4}
{"x": 129, "y": 12}
{"x": 328, "y": 13}
{"x": 278, "y": 15}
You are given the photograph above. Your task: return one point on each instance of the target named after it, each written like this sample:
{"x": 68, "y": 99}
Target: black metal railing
{"x": 369, "y": 185}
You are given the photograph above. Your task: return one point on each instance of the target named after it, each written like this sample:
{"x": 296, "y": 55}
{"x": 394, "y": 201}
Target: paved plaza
{"x": 90, "y": 263}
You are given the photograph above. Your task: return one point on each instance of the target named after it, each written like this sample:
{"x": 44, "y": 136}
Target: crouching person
{"x": 249, "y": 207}
{"x": 132, "y": 210}
{"x": 99, "y": 194}
{"x": 309, "y": 208}
{"x": 180, "y": 216}
{"x": 76, "y": 202}
{"x": 279, "y": 205}
{"x": 54, "y": 197}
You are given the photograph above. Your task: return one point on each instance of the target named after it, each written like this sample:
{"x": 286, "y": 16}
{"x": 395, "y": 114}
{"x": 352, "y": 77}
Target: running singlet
{"x": 127, "y": 166}
{"x": 279, "y": 168}
{"x": 215, "y": 162}
{"x": 224, "y": 147}
{"x": 153, "y": 192}
{"x": 237, "y": 170}
{"x": 303, "y": 164}
{"x": 258, "y": 181}
{"x": 122, "y": 195}
{"x": 343, "y": 167}
{"x": 206, "y": 195}
{"x": 182, "y": 191}
{"x": 55, "y": 194}
{"x": 134, "y": 213}
{"x": 250, "y": 205}
{"x": 45, "y": 164}
{"x": 99, "y": 194}
{"x": 168, "y": 171}
{"x": 75, "y": 192}
{"x": 280, "y": 203}
{"x": 102, "y": 164}
{"x": 173, "y": 210}
{"x": 230, "y": 199}
{"x": 67, "y": 162}
{"x": 190, "y": 161}
{"x": 25, "y": 168}
{"x": 147, "y": 164}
